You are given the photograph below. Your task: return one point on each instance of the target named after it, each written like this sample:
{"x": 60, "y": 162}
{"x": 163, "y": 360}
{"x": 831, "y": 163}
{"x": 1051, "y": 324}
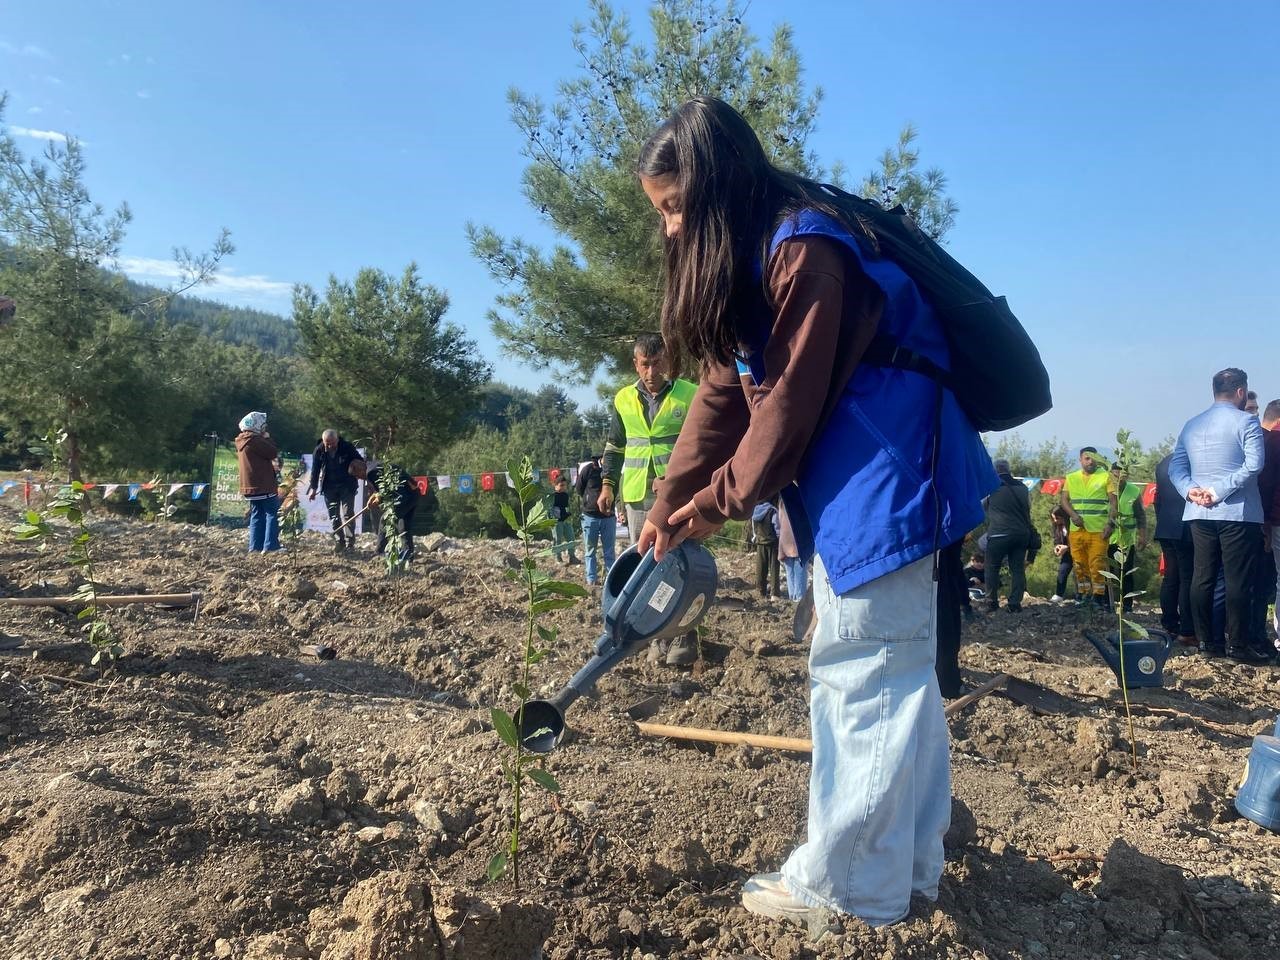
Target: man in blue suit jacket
{"x": 1215, "y": 467}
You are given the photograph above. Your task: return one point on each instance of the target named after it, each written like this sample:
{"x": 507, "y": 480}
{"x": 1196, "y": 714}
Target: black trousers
{"x": 953, "y": 592}
{"x": 404, "y": 526}
{"x": 1264, "y": 594}
{"x": 1234, "y": 546}
{"x": 767, "y": 567}
{"x": 1065, "y": 566}
{"x": 339, "y": 501}
{"x": 1012, "y": 547}
{"x": 1175, "y": 588}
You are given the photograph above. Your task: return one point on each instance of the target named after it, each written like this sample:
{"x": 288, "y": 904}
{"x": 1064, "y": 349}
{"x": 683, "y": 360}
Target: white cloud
{"x": 144, "y": 94}
{"x": 247, "y": 289}
{"x": 34, "y": 110}
{"x": 125, "y": 57}
{"x": 39, "y": 134}
{"x": 26, "y": 50}
{"x": 50, "y": 78}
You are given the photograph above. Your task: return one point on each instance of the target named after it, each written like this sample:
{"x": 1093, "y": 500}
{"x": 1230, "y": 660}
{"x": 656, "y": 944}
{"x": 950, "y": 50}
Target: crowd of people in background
{"x": 1216, "y": 516}
{"x": 337, "y": 470}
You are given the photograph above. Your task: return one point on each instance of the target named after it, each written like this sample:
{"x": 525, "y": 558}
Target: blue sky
{"x": 1114, "y": 163}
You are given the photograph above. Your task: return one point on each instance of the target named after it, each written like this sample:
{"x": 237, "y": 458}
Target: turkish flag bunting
{"x": 422, "y": 485}
{"x": 1149, "y": 495}
{"x": 554, "y": 474}
{"x": 1053, "y": 485}
{"x": 486, "y": 481}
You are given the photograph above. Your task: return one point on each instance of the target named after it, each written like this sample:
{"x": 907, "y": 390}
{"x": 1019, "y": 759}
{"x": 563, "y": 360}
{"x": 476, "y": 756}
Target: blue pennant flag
{"x": 1030, "y": 481}
{"x": 466, "y": 483}
{"x": 133, "y": 490}
{"x": 197, "y": 490}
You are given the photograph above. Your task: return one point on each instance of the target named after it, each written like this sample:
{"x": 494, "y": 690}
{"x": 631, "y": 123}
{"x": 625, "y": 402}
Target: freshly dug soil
{"x": 220, "y": 793}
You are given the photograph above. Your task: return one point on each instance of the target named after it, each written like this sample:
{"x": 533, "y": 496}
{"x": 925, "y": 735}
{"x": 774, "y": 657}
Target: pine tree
{"x": 583, "y": 302}
{"x": 382, "y": 364}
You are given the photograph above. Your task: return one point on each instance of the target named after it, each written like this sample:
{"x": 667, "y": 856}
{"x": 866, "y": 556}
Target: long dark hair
{"x": 731, "y": 200}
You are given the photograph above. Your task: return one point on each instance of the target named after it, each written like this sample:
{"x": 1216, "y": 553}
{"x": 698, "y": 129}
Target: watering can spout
{"x": 643, "y": 599}
{"x": 1108, "y": 652}
{"x": 541, "y": 724}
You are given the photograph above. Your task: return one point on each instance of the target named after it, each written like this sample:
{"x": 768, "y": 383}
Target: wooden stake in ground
{"x": 168, "y": 599}
{"x": 795, "y": 744}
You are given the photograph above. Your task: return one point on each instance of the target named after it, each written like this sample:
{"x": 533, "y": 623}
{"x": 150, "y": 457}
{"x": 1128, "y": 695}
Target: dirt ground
{"x": 221, "y": 794}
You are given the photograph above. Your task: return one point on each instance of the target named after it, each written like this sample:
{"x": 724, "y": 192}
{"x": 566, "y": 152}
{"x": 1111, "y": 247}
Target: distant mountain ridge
{"x": 269, "y": 331}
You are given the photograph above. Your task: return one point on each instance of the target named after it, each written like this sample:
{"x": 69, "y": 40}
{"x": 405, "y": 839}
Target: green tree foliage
{"x": 582, "y": 303}
{"x": 76, "y": 356}
{"x": 382, "y": 363}
{"x": 1051, "y": 459}
{"x": 896, "y": 179}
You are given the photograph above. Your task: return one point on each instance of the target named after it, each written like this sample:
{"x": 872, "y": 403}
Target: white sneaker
{"x": 1056, "y": 599}
{"x": 765, "y": 894}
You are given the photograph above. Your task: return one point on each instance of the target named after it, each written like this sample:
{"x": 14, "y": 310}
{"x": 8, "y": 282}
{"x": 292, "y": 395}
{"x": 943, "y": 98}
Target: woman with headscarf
{"x": 257, "y": 453}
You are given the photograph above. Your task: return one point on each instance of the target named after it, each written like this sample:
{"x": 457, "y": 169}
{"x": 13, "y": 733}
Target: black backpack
{"x": 996, "y": 371}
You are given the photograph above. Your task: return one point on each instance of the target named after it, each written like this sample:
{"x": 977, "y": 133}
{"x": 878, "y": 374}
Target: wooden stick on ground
{"x": 796, "y": 744}
{"x": 169, "y": 599}
{"x": 350, "y": 520}
{"x": 958, "y": 704}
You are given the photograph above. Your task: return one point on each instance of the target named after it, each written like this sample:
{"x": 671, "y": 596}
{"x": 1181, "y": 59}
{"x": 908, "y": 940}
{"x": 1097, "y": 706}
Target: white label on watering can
{"x": 1147, "y": 665}
{"x": 695, "y": 608}
{"x": 662, "y": 595}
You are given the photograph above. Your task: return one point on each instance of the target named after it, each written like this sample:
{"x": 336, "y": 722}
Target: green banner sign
{"x": 226, "y": 502}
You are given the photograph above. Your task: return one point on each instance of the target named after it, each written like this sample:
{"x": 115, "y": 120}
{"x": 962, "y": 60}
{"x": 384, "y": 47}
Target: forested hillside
{"x": 243, "y": 325}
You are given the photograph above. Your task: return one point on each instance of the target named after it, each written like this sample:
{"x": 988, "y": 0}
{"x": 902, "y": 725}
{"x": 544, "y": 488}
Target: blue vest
{"x": 868, "y": 498}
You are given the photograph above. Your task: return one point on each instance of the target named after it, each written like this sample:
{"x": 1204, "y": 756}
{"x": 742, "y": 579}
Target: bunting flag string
{"x": 467, "y": 483}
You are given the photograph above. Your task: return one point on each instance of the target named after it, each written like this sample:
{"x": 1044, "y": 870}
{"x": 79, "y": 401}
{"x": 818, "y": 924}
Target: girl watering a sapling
{"x": 776, "y": 294}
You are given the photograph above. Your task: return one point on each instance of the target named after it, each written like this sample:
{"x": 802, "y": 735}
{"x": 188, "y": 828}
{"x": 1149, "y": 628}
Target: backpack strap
{"x": 884, "y": 351}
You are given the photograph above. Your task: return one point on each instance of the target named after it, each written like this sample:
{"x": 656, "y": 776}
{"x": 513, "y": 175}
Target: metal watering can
{"x": 1143, "y": 659}
{"x": 643, "y": 600}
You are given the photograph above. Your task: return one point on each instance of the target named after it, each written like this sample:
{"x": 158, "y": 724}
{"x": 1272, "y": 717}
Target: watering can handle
{"x": 627, "y": 593}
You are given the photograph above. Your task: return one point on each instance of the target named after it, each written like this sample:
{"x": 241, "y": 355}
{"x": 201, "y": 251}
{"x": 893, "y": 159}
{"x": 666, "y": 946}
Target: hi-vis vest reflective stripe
{"x": 1088, "y": 493}
{"x": 1125, "y": 533}
{"x": 649, "y": 445}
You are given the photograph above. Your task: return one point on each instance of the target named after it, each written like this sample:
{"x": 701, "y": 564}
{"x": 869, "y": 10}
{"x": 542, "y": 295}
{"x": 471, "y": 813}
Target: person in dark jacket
{"x": 257, "y": 453}
{"x": 562, "y": 537}
{"x": 598, "y": 526}
{"x": 952, "y": 603}
{"x": 403, "y": 505}
{"x": 1174, "y": 536}
{"x": 1060, "y": 534}
{"x": 1269, "y": 490}
{"x": 1009, "y": 536}
{"x": 331, "y": 474}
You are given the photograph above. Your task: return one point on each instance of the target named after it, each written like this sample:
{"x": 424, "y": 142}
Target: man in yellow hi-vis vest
{"x": 1084, "y": 497}
{"x": 647, "y": 417}
{"x": 1129, "y": 528}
